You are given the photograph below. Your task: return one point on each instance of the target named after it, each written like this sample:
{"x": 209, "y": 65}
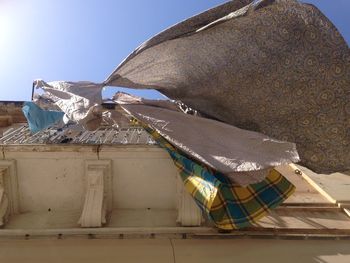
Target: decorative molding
{"x": 189, "y": 213}
{"x": 98, "y": 193}
{"x": 9, "y": 199}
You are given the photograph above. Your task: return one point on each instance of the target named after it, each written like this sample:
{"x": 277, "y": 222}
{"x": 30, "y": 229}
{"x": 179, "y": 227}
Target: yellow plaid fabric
{"x": 228, "y": 205}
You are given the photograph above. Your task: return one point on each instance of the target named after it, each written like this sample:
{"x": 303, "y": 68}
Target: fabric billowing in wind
{"x": 39, "y": 119}
{"x": 80, "y": 101}
{"x": 278, "y": 67}
{"x": 246, "y": 157}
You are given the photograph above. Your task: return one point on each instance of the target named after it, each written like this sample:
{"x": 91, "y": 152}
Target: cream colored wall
{"x": 52, "y": 177}
{"x": 174, "y": 250}
{"x": 142, "y": 177}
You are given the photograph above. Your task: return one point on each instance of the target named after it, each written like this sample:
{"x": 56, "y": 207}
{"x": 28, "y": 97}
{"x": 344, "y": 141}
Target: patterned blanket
{"x": 227, "y": 205}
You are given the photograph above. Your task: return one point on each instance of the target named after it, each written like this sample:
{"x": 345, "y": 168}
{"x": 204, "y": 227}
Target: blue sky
{"x": 86, "y": 39}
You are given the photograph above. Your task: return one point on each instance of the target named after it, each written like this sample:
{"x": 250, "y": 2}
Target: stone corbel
{"x": 3, "y": 199}
{"x": 9, "y": 200}
{"x": 98, "y": 193}
{"x": 189, "y": 213}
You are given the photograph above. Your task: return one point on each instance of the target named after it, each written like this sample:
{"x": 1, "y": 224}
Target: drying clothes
{"x": 228, "y": 205}
{"x": 122, "y": 98}
{"x": 126, "y": 98}
{"x": 39, "y": 119}
{"x": 248, "y": 177}
{"x": 80, "y": 101}
{"x": 278, "y": 67}
{"x": 220, "y": 146}
{"x": 45, "y": 102}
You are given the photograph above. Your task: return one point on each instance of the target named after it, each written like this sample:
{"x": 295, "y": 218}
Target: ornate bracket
{"x": 98, "y": 195}
{"x": 9, "y": 199}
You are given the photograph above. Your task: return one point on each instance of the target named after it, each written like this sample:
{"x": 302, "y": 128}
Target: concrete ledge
{"x": 176, "y": 233}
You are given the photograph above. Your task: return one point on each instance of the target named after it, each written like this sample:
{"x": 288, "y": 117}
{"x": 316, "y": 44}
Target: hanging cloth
{"x": 39, "y": 119}
{"x": 227, "y": 205}
{"x": 245, "y": 156}
{"x": 278, "y": 67}
{"x": 80, "y": 101}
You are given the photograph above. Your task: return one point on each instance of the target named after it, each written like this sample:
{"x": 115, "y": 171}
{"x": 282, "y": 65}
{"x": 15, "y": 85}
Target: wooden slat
{"x": 305, "y": 193}
{"x": 315, "y": 185}
{"x": 316, "y": 218}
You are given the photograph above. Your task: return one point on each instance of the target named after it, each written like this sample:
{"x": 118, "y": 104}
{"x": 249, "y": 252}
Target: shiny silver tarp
{"x": 274, "y": 66}
{"x": 246, "y": 157}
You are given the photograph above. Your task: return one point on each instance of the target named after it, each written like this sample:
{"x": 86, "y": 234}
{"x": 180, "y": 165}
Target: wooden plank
{"x": 298, "y": 170}
{"x": 347, "y": 211}
{"x": 345, "y": 207}
{"x": 304, "y": 193}
{"x": 307, "y": 205}
{"x": 316, "y": 218}
{"x": 293, "y": 209}
{"x": 334, "y": 187}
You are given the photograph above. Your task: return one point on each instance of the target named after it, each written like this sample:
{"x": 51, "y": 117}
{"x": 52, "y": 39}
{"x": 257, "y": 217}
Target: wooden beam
{"x": 313, "y": 183}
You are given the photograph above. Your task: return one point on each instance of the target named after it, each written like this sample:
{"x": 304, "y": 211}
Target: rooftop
{"x": 72, "y": 135}
{"x": 14, "y": 130}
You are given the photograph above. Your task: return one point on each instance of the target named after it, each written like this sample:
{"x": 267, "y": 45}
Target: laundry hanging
{"x": 80, "y": 101}
{"x": 279, "y": 67}
{"x": 246, "y": 157}
{"x": 39, "y": 119}
{"x": 229, "y": 206}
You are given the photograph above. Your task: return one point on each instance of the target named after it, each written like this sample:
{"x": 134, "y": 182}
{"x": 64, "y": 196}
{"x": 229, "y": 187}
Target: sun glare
{"x": 5, "y": 31}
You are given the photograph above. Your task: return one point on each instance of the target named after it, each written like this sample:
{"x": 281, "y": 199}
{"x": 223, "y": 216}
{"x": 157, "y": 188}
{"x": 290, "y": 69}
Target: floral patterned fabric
{"x": 274, "y": 66}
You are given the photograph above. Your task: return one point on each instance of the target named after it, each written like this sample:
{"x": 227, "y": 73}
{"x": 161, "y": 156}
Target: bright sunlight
{"x": 5, "y": 31}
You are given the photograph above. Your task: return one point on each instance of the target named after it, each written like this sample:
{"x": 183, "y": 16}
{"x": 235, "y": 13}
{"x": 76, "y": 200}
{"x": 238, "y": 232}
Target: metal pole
{"x": 33, "y": 91}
